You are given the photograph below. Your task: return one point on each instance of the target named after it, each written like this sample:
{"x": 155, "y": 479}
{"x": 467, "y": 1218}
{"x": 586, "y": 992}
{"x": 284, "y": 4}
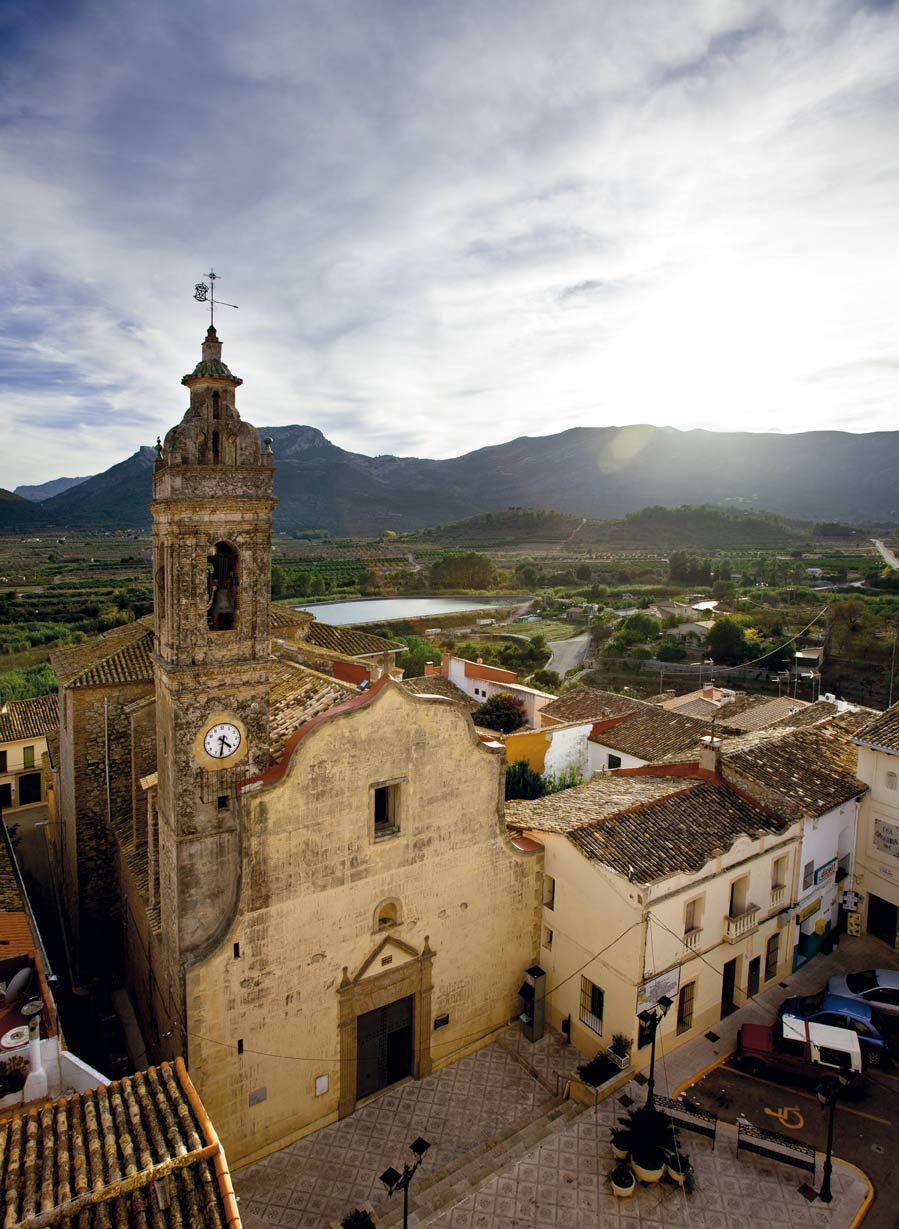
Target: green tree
{"x": 522, "y": 781}
{"x": 726, "y": 640}
{"x": 279, "y": 581}
{"x": 502, "y": 713}
{"x": 546, "y": 680}
{"x": 583, "y": 571}
{"x": 640, "y": 626}
{"x": 418, "y": 651}
{"x": 670, "y": 650}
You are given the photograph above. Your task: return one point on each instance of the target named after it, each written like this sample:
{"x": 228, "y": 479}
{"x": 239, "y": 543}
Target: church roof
{"x": 437, "y": 685}
{"x": 119, "y": 656}
{"x": 349, "y": 641}
{"x": 138, "y": 1151}
{"x": 34, "y": 718}
{"x": 297, "y": 695}
{"x": 289, "y": 616}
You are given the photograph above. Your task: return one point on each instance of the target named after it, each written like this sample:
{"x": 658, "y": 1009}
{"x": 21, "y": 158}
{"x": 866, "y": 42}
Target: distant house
{"x": 692, "y": 633}
{"x": 480, "y": 682}
{"x": 877, "y": 851}
{"x": 24, "y": 726}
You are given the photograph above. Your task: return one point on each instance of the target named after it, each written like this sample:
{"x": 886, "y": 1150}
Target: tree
{"x": 583, "y": 571}
{"x": 522, "y": 781}
{"x": 469, "y": 571}
{"x": 503, "y": 713}
{"x": 546, "y": 680}
{"x": 640, "y": 626}
{"x": 279, "y": 581}
{"x": 417, "y": 652}
{"x": 726, "y": 640}
{"x": 670, "y": 650}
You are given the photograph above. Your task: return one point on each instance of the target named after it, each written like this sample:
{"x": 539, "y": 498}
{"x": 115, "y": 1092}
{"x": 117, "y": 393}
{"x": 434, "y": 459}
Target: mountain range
{"x": 588, "y": 471}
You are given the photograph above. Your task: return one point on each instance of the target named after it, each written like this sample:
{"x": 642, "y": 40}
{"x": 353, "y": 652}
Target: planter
{"x": 621, "y": 1145}
{"x": 622, "y": 1182}
{"x": 675, "y": 1175}
{"x": 648, "y": 1165}
{"x": 620, "y": 1060}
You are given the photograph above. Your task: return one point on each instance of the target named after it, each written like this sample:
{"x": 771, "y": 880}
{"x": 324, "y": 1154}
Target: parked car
{"x": 824, "y": 1008}
{"x": 800, "y": 1050}
{"x": 879, "y": 987}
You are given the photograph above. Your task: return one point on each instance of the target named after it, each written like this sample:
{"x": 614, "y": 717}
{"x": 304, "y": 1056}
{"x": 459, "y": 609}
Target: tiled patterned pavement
{"x": 562, "y": 1183}
{"x": 319, "y": 1179}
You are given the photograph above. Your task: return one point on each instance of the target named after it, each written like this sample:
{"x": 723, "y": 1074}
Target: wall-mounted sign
{"x": 651, "y": 991}
{"x": 853, "y": 924}
{"x": 850, "y": 900}
{"x": 441, "y": 1021}
{"x": 809, "y": 910}
{"x": 886, "y": 837}
{"x": 828, "y": 871}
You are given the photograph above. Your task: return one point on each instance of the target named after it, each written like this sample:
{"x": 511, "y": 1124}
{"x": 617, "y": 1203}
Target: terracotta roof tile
{"x": 133, "y": 1152}
{"x": 646, "y": 827}
{"x": 288, "y": 616}
{"x": 349, "y": 641}
{"x": 812, "y": 770}
{"x": 883, "y": 732}
{"x": 587, "y": 704}
{"x": 119, "y": 656}
{"x": 761, "y": 712}
{"x": 34, "y": 718}
{"x": 651, "y": 733}
{"x": 297, "y": 695}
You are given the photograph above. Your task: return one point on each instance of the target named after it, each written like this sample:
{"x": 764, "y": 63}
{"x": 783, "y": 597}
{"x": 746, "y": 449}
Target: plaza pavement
{"x": 507, "y": 1154}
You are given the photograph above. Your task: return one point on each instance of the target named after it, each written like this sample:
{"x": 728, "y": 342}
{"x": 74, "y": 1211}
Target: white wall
{"x": 568, "y": 748}
{"x": 598, "y": 758}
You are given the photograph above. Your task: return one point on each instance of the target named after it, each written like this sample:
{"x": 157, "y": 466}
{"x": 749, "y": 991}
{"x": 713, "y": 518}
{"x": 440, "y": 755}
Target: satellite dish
{"x": 18, "y": 986}
{"x": 32, "y": 1008}
{"x": 15, "y": 1038}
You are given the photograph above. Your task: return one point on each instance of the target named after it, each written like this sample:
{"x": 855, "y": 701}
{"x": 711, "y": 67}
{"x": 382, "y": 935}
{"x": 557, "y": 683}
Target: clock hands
{"x": 224, "y": 746}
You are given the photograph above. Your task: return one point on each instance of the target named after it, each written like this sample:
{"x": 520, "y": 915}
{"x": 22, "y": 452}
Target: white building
{"x": 876, "y": 881}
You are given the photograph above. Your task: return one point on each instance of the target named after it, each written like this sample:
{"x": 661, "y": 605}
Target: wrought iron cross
{"x": 206, "y": 294}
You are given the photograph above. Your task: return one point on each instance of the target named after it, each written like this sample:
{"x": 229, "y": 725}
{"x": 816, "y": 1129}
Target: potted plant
{"x": 622, "y": 1142}
{"x": 622, "y": 1181}
{"x": 677, "y": 1166}
{"x": 619, "y": 1050}
{"x": 359, "y": 1218}
{"x": 647, "y": 1162}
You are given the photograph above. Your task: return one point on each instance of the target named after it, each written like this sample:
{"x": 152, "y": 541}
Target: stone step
{"x": 436, "y": 1193}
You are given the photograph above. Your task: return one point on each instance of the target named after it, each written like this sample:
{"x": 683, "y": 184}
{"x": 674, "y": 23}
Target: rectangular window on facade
{"x": 771, "y": 952}
{"x": 739, "y": 896}
{"x": 385, "y": 800}
{"x": 614, "y": 761}
{"x": 779, "y": 873}
{"x": 549, "y": 892}
{"x": 2, "y": 761}
{"x": 891, "y": 779}
{"x": 685, "y": 1007}
{"x": 28, "y": 757}
{"x": 547, "y": 938}
{"x": 808, "y": 875}
{"x": 591, "y": 1005}
{"x": 693, "y": 915}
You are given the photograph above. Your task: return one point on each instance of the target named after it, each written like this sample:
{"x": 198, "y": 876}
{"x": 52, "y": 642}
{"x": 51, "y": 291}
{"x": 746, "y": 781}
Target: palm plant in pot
{"x": 677, "y": 1165}
{"x": 622, "y": 1181}
{"x": 622, "y": 1142}
{"x": 647, "y": 1161}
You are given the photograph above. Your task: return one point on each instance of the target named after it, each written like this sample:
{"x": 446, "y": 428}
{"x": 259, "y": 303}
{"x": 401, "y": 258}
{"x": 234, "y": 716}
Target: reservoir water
{"x": 386, "y": 609}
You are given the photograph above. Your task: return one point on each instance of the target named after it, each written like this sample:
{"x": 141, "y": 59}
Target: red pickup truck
{"x": 800, "y": 1049}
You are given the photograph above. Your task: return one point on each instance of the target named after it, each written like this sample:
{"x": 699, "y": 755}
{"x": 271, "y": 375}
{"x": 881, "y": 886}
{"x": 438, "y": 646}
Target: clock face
{"x": 221, "y": 740}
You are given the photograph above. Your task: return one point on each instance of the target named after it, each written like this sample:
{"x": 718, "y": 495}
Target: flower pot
{"x": 652, "y": 1168}
{"x": 621, "y": 1145}
{"x": 675, "y": 1175}
{"x": 623, "y": 1192}
{"x": 620, "y": 1154}
{"x": 620, "y": 1060}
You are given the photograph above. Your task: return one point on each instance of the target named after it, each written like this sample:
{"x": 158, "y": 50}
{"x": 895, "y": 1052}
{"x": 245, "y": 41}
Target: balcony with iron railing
{"x": 737, "y": 926}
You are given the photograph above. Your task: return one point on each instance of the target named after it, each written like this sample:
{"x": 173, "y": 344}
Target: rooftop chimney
{"x": 709, "y": 753}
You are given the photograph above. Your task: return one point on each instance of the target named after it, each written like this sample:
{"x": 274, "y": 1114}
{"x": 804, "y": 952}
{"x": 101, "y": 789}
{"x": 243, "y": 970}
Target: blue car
{"x": 834, "y": 1009}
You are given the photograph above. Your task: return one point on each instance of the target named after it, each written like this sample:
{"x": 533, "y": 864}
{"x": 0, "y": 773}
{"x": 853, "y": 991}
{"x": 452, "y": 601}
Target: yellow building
{"x": 875, "y": 890}
{"x": 658, "y": 880}
{"x": 24, "y": 726}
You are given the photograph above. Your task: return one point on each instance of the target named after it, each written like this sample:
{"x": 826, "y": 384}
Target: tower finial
{"x": 204, "y": 293}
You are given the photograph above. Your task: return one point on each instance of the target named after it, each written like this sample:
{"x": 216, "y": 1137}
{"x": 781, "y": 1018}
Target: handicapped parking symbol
{"x": 788, "y": 1117}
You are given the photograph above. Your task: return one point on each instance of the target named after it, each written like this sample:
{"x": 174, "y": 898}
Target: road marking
{"x": 797, "y": 1092}
{"x": 788, "y": 1117}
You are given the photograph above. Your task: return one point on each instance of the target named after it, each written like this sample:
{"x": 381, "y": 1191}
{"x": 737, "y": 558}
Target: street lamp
{"x": 651, "y": 1018}
{"x": 827, "y": 1094}
{"x": 395, "y": 1181}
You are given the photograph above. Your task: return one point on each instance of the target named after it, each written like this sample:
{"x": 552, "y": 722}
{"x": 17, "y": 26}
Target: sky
{"x": 446, "y": 224}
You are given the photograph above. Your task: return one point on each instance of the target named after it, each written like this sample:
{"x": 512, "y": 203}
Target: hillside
{"x": 18, "y": 515}
{"x": 46, "y": 490}
{"x": 595, "y": 472}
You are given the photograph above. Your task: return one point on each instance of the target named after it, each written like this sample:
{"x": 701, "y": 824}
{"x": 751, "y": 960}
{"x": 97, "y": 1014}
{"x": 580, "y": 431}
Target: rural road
{"x": 566, "y": 654}
{"x": 887, "y": 553}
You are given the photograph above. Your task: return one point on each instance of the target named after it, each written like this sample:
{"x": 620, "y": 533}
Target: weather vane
{"x": 206, "y": 294}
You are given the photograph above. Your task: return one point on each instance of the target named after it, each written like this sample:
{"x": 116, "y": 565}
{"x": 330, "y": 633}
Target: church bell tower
{"x": 212, "y": 528}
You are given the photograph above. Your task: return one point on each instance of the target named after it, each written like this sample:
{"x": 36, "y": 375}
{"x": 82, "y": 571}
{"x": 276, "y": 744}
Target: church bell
{"x": 221, "y": 603}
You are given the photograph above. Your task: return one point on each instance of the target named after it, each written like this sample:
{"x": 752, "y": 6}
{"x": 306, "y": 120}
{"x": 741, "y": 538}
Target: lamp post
{"x": 651, "y": 1018}
{"x": 827, "y": 1094}
{"x": 395, "y": 1181}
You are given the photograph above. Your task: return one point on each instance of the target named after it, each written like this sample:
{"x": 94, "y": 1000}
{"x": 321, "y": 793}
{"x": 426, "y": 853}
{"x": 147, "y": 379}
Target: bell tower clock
{"x": 212, "y": 526}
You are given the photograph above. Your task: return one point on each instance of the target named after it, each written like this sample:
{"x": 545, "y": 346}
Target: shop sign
{"x": 809, "y": 910}
{"x": 850, "y": 900}
{"x": 828, "y": 871}
{"x": 853, "y": 923}
{"x": 651, "y": 991}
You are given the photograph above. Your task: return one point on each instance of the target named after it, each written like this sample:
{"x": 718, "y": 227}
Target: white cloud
{"x": 449, "y": 225}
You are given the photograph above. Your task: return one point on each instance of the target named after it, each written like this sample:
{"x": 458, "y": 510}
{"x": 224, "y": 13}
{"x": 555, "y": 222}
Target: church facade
{"x": 307, "y": 887}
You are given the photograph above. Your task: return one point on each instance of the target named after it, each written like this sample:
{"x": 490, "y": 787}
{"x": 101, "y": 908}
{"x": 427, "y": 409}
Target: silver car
{"x": 878, "y": 987}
